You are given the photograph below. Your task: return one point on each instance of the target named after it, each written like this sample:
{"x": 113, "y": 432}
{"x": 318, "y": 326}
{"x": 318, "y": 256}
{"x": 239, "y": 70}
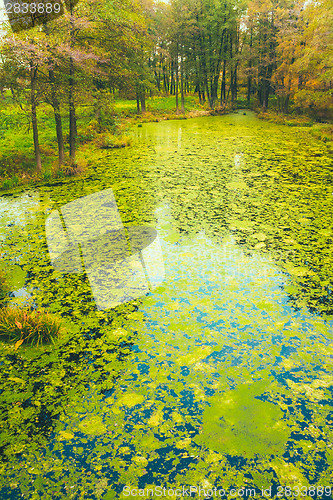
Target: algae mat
{"x": 216, "y": 381}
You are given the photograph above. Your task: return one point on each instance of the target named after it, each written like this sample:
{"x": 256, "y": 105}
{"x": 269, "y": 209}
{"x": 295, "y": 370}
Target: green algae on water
{"x": 222, "y": 375}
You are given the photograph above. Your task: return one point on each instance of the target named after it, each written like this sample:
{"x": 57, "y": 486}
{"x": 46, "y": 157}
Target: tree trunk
{"x": 286, "y": 104}
{"x": 222, "y": 98}
{"x": 249, "y": 86}
{"x": 72, "y": 114}
{"x": 57, "y": 117}
{"x": 55, "y": 104}
{"x": 249, "y": 78}
{"x": 214, "y": 88}
{"x": 137, "y": 103}
{"x": 72, "y": 117}
{"x": 143, "y": 100}
{"x": 172, "y": 89}
{"x": 165, "y": 81}
{"x": 182, "y": 84}
{"x": 33, "y": 101}
{"x": 177, "y": 84}
{"x": 232, "y": 80}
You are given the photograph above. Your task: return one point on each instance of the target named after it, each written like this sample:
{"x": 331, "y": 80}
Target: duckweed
{"x": 220, "y": 377}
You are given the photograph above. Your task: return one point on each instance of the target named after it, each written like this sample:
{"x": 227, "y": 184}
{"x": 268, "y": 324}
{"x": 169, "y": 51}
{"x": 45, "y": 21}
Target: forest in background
{"x": 261, "y": 53}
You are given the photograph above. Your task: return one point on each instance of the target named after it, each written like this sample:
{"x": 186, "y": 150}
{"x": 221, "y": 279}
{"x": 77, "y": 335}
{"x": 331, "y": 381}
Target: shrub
{"x": 30, "y": 326}
{"x": 10, "y": 183}
{"x": 47, "y": 175}
{"x": 109, "y": 141}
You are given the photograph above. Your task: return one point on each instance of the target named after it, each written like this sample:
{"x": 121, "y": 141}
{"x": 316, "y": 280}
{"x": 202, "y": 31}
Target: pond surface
{"x": 218, "y": 374}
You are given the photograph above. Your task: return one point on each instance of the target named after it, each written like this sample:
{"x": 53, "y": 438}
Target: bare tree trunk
{"x": 177, "y": 84}
{"x": 172, "y": 89}
{"x": 57, "y": 117}
{"x": 33, "y": 101}
{"x": 143, "y": 100}
{"x": 55, "y": 103}
{"x": 72, "y": 115}
{"x": 249, "y": 78}
{"x": 182, "y": 84}
{"x": 222, "y": 97}
{"x": 137, "y": 102}
{"x": 165, "y": 81}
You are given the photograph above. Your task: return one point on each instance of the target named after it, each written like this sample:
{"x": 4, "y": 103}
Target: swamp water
{"x": 219, "y": 375}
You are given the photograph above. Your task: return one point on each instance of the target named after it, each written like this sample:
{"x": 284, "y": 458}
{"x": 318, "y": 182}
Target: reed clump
{"x": 29, "y": 326}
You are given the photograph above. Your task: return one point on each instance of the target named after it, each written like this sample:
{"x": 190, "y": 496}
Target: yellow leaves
{"x": 314, "y": 431}
{"x": 16, "y": 379}
{"x": 66, "y": 435}
{"x": 175, "y": 306}
{"x": 206, "y": 484}
{"x": 92, "y": 426}
{"x": 259, "y": 246}
{"x": 298, "y": 270}
{"x": 291, "y": 289}
{"x": 18, "y": 324}
{"x": 214, "y": 458}
{"x": 124, "y": 450}
{"x": 156, "y": 418}
{"x": 199, "y": 353}
{"x": 325, "y": 381}
{"x": 241, "y": 224}
{"x": 33, "y": 470}
{"x": 186, "y": 255}
{"x": 288, "y": 474}
{"x": 288, "y": 363}
{"x": 119, "y": 332}
{"x": 268, "y": 305}
{"x": 313, "y": 392}
{"x": 131, "y": 399}
{"x": 177, "y": 418}
{"x": 203, "y": 367}
{"x": 139, "y": 460}
{"x": 260, "y": 236}
{"x": 325, "y": 232}
{"x": 236, "y": 185}
{"x": 18, "y": 343}
{"x": 183, "y": 443}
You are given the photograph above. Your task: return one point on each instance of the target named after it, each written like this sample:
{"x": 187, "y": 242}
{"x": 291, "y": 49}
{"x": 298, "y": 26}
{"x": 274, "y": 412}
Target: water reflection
{"x": 87, "y": 235}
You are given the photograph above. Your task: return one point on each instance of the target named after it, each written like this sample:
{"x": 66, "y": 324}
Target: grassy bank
{"x": 17, "y": 162}
{"x": 321, "y": 131}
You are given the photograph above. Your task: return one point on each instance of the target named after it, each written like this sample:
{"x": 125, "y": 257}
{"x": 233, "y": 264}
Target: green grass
{"x": 156, "y": 105}
{"x": 32, "y": 327}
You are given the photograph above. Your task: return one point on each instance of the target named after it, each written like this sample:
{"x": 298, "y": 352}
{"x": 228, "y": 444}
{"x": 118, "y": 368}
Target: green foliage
{"x": 109, "y": 141}
{"x": 317, "y": 104}
{"x": 4, "y": 287}
{"x": 32, "y": 327}
{"x": 157, "y": 105}
{"x": 323, "y": 132}
{"x": 10, "y": 183}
